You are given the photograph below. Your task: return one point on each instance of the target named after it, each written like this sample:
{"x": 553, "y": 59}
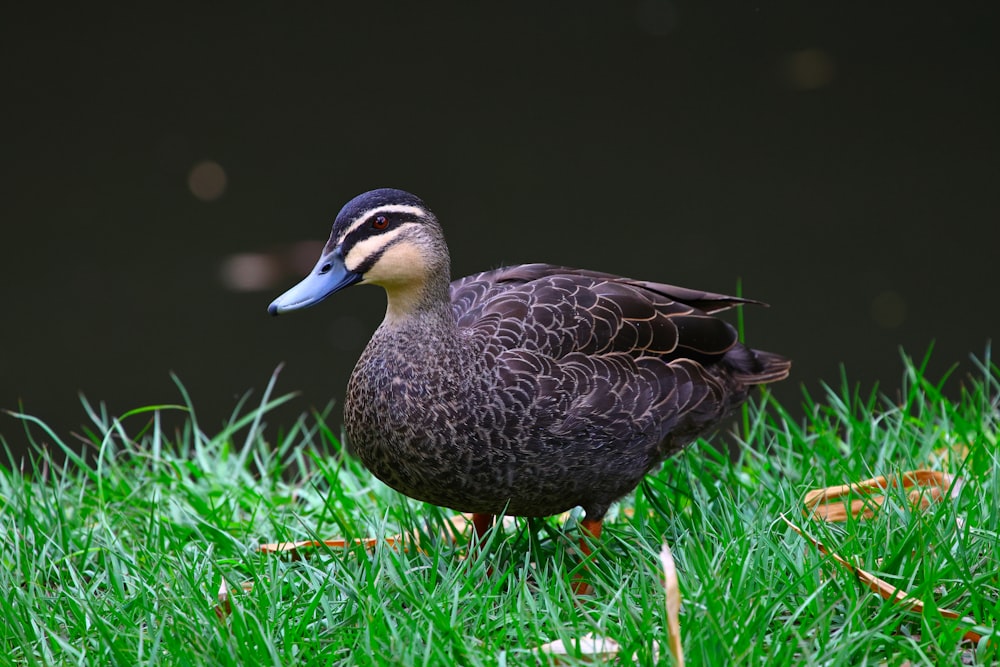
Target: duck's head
{"x": 384, "y": 237}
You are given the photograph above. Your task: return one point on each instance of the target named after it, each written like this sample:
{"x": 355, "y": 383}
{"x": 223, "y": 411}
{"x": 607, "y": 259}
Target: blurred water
{"x": 165, "y": 177}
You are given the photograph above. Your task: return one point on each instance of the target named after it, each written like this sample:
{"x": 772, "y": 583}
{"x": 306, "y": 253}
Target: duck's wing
{"x": 559, "y": 311}
{"x": 602, "y": 354}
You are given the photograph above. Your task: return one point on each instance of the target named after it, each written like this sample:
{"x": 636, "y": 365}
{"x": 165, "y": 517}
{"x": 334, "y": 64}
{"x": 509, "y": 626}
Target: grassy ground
{"x": 118, "y": 559}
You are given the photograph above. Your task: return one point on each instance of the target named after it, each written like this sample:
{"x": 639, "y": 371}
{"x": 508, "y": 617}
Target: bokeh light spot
{"x": 888, "y": 309}
{"x": 808, "y": 69}
{"x": 207, "y": 180}
{"x": 304, "y": 256}
{"x": 249, "y": 272}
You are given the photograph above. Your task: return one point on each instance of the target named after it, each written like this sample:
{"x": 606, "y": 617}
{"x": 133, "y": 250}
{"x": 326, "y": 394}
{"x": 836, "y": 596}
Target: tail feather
{"x": 752, "y": 367}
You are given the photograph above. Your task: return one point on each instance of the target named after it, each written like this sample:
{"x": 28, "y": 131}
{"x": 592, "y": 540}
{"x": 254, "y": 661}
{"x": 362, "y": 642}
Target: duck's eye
{"x": 380, "y": 222}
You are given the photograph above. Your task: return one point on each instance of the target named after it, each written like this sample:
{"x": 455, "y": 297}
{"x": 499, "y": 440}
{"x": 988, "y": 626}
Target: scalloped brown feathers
{"x": 577, "y": 384}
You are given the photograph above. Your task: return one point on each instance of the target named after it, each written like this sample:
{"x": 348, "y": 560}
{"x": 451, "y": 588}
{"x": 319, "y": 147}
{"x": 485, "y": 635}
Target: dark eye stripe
{"x": 366, "y": 219}
{"x": 366, "y": 232}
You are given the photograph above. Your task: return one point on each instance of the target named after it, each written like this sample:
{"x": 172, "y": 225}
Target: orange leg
{"x": 591, "y": 529}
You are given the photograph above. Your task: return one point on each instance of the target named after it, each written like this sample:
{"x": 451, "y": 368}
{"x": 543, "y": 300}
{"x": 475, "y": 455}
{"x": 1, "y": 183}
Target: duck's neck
{"x": 419, "y": 303}
{"x": 419, "y": 329}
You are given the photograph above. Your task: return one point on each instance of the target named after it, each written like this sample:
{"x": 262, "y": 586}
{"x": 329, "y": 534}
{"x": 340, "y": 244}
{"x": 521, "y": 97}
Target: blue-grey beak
{"x": 329, "y": 275}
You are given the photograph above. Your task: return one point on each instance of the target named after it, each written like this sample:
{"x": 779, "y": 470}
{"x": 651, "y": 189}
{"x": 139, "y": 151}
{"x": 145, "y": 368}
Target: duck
{"x": 527, "y": 390}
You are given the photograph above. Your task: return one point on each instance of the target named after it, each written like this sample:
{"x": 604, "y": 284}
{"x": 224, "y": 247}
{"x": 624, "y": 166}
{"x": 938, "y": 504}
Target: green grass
{"x": 116, "y": 557}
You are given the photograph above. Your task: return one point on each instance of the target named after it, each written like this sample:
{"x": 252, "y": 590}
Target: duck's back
{"x": 561, "y": 313}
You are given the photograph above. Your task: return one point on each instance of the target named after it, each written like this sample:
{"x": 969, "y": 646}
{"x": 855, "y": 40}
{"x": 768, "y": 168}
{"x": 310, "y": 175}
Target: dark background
{"x": 841, "y": 159}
